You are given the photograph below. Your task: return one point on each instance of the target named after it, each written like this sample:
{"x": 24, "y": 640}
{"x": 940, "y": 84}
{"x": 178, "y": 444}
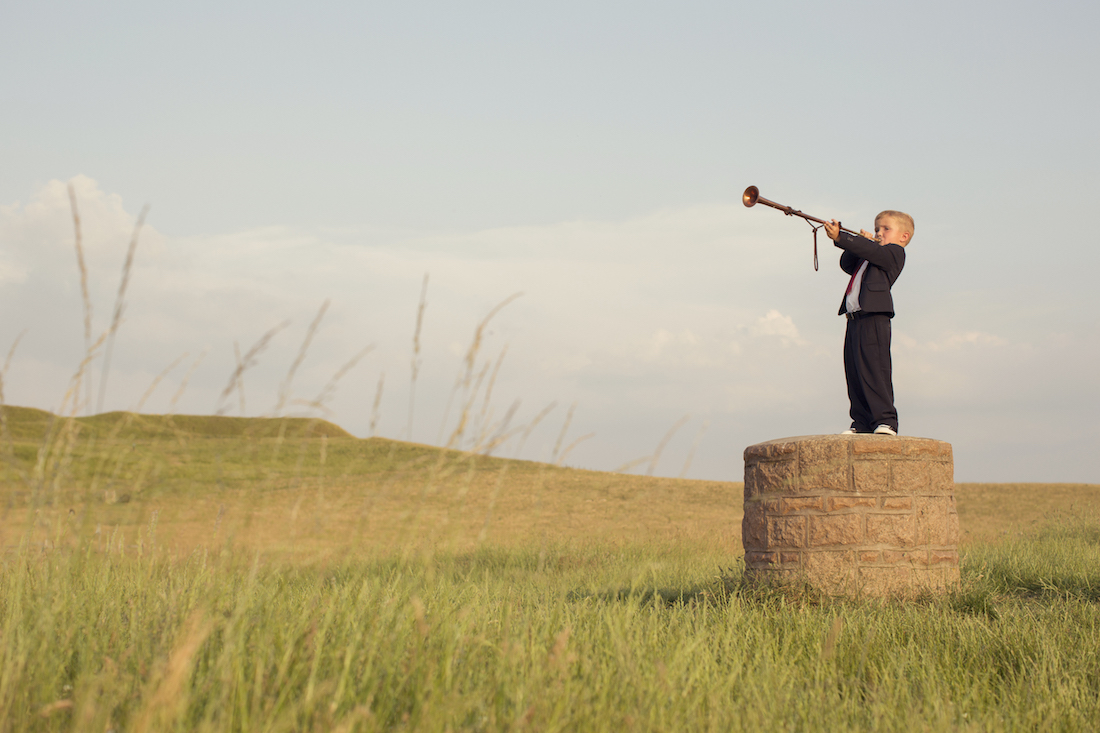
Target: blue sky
{"x": 591, "y": 156}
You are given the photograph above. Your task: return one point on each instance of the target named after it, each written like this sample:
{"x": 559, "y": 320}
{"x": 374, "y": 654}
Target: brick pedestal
{"x": 852, "y": 514}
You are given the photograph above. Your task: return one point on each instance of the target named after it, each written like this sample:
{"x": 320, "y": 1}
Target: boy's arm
{"x": 887, "y": 257}
{"x": 849, "y": 262}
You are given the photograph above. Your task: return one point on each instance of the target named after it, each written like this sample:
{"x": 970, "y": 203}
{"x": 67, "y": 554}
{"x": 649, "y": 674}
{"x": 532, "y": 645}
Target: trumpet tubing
{"x": 751, "y": 197}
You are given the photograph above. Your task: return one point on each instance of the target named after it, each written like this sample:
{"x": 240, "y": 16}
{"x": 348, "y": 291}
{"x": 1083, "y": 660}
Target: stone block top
{"x": 868, "y": 445}
{"x": 826, "y": 464}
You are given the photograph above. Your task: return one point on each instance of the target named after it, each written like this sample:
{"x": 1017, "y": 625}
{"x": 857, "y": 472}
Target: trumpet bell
{"x": 750, "y": 196}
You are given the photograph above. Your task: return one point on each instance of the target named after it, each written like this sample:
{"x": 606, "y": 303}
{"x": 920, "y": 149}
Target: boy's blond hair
{"x": 901, "y": 218}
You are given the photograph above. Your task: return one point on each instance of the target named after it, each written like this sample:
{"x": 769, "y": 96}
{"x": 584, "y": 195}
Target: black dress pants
{"x": 868, "y": 370}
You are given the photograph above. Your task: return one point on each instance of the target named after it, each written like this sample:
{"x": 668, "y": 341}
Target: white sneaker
{"x": 850, "y": 431}
{"x": 885, "y": 430}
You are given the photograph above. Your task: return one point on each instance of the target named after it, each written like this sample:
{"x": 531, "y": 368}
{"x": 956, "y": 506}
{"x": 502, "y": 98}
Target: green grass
{"x": 598, "y": 638}
{"x": 1062, "y": 559}
{"x": 193, "y": 605}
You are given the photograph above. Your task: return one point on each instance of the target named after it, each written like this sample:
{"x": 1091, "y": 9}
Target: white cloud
{"x": 774, "y": 323}
{"x": 953, "y": 341}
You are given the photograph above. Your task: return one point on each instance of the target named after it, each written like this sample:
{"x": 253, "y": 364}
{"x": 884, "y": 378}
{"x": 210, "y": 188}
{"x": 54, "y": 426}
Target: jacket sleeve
{"x": 889, "y": 258}
{"x": 849, "y": 262}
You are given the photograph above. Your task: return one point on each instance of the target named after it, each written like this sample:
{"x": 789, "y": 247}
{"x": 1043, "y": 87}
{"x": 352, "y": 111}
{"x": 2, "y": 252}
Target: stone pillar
{"x": 852, "y": 514}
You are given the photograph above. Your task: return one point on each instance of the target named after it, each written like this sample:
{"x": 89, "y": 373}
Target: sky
{"x": 567, "y": 176}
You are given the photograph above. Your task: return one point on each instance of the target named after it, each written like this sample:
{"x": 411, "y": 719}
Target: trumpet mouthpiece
{"x": 750, "y": 196}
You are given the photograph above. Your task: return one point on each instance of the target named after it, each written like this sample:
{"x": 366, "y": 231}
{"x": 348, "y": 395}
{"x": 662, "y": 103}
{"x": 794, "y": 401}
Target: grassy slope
{"x": 306, "y": 485}
{"x": 307, "y": 488}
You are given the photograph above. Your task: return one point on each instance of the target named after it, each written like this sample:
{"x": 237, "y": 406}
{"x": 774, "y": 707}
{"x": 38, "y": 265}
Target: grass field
{"x": 195, "y": 573}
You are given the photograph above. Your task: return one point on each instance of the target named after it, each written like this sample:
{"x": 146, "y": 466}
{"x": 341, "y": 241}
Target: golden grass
{"x": 320, "y": 521}
{"x": 995, "y": 511}
{"x": 303, "y": 489}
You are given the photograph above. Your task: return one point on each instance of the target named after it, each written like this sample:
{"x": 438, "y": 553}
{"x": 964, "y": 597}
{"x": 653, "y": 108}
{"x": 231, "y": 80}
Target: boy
{"x": 874, "y": 263}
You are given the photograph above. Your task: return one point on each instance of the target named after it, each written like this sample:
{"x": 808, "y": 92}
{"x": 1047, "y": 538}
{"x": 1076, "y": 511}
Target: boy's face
{"x": 888, "y": 231}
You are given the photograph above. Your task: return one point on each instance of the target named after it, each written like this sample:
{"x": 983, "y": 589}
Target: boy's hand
{"x": 868, "y": 235}
{"x": 832, "y": 229}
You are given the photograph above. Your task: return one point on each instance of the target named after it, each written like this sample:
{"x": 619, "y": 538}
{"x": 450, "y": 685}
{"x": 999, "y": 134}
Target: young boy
{"x": 874, "y": 262}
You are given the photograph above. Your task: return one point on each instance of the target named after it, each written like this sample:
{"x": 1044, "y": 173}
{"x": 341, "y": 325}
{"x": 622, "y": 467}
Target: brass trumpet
{"x": 752, "y": 197}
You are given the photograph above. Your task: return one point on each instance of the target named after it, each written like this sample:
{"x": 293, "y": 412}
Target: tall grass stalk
{"x": 5, "y": 431}
{"x": 284, "y": 388}
{"x": 415, "y": 360}
{"x": 244, "y": 364}
{"x": 376, "y": 405}
{"x": 465, "y": 382}
{"x": 85, "y": 297}
{"x": 120, "y": 306}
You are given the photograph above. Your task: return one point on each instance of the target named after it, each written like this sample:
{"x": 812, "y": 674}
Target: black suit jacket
{"x": 884, "y": 265}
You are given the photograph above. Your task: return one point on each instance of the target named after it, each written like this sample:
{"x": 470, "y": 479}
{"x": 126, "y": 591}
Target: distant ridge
{"x": 30, "y": 422}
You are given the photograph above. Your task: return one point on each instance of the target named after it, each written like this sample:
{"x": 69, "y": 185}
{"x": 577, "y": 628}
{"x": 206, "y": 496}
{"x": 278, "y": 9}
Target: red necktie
{"x": 852, "y": 280}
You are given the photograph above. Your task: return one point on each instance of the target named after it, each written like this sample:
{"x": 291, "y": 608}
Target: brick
{"x": 896, "y": 530}
{"x": 910, "y": 477}
{"x": 931, "y": 516}
{"x": 940, "y": 449}
{"x": 760, "y": 558}
{"x": 789, "y": 532}
{"x": 893, "y": 557}
{"x": 838, "y": 503}
{"x": 751, "y": 484}
{"x": 771, "y": 477}
{"x": 943, "y": 557}
{"x": 922, "y": 448}
{"x": 823, "y": 449}
{"x": 886, "y": 581}
{"x": 827, "y": 477}
{"x": 870, "y": 477}
{"x": 771, "y": 450}
{"x": 753, "y": 527}
{"x": 836, "y": 529}
{"x": 798, "y": 504}
{"x": 757, "y": 480}
{"x": 897, "y": 502}
{"x": 927, "y": 448}
{"x": 788, "y": 558}
{"x": 823, "y": 463}
{"x": 941, "y": 478}
{"x": 832, "y": 572}
{"x": 926, "y": 579}
{"x": 952, "y": 536}
{"x": 868, "y": 556}
{"x": 878, "y": 446}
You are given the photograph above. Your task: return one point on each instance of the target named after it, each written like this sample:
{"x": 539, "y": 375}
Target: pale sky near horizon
{"x": 590, "y": 156}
